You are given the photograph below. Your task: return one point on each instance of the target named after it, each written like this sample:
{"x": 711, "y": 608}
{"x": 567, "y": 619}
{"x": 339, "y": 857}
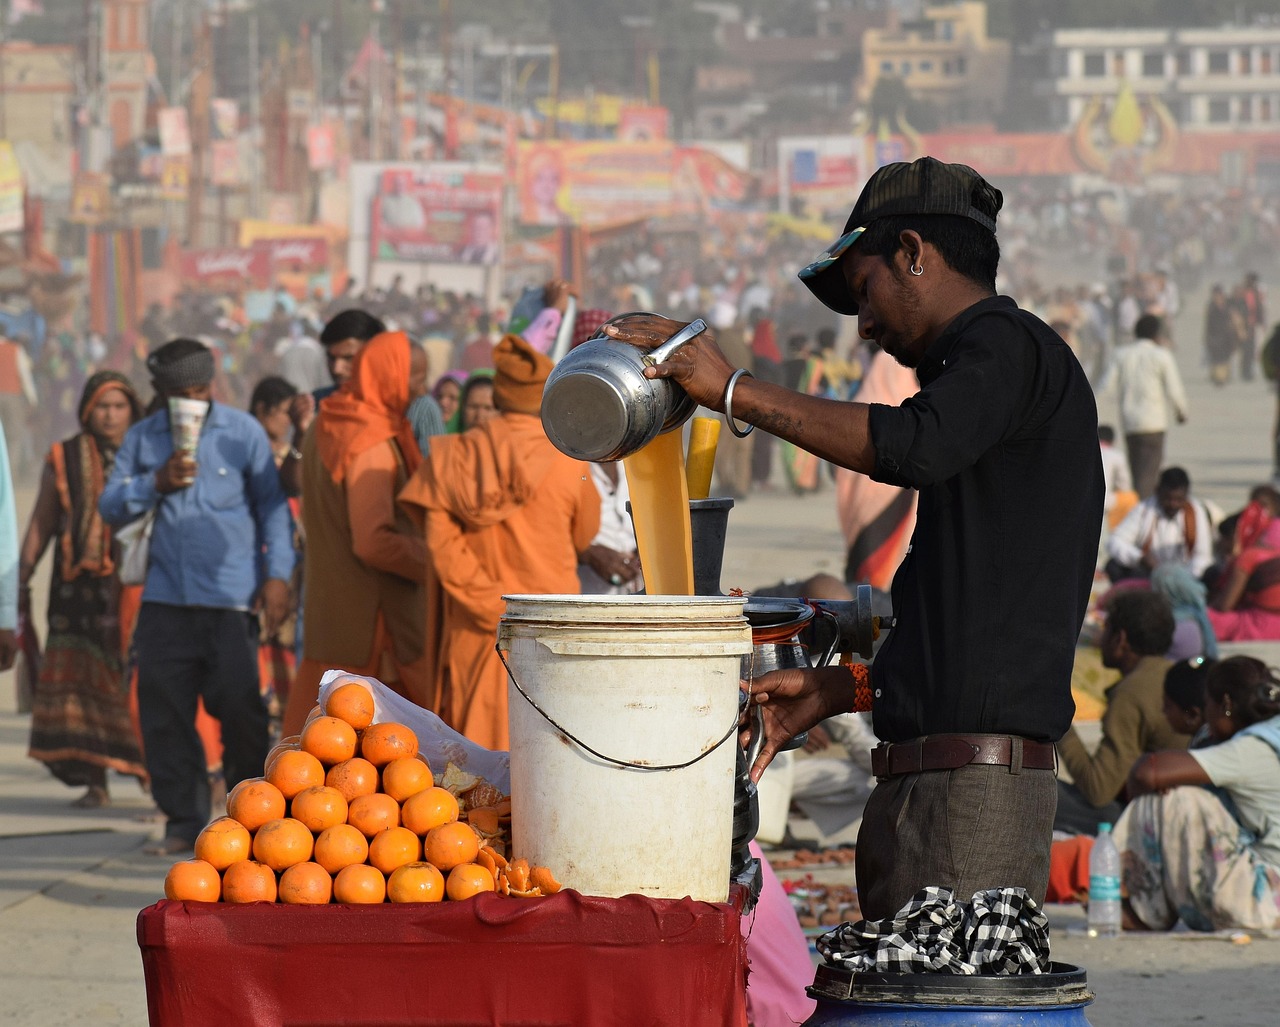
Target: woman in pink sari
{"x": 1247, "y": 604}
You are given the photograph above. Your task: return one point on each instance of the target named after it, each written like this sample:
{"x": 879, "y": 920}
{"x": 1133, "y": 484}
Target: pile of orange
{"x": 349, "y": 812}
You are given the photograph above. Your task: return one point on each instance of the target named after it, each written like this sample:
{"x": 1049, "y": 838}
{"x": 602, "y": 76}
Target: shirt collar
{"x": 935, "y": 357}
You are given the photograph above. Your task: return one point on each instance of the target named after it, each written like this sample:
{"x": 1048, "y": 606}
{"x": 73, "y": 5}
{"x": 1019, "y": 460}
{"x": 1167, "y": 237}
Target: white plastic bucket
{"x": 650, "y": 683}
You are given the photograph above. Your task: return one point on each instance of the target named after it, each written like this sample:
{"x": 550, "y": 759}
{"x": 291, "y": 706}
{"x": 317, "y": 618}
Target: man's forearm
{"x": 833, "y": 430}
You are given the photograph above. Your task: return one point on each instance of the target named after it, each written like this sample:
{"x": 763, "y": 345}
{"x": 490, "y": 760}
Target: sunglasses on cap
{"x": 833, "y": 253}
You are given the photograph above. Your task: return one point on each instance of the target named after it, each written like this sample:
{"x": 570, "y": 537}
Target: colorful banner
{"x": 643, "y": 124}
{"x": 704, "y": 181}
{"x": 295, "y": 254}
{"x": 225, "y": 165}
{"x": 175, "y": 133}
{"x": 224, "y": 119}
{"x": 822, "y": 172}
{"x": 11, "y": 189}
{"x": 593, "y": 183}
{"x": 90, "y": 197}
{"x": 439, "y": 214}
{"x": 227, "y": 267}
{"x": 320, "y": 147}
{"x": 175, "y": 178}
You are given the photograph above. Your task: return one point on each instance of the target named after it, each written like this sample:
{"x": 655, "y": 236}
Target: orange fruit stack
{"x": 348, "y": 811}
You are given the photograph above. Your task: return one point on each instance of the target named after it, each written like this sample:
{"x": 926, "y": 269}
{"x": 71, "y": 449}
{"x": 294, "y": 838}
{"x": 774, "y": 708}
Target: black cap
{"x": 924, "y": 186}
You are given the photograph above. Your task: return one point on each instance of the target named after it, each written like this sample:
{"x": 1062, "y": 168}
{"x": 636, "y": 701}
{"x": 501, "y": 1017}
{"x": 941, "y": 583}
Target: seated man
{"x": 1169, "y": 527}
{"x": 1138, "y": 630}
{"x": 830, "y": 790}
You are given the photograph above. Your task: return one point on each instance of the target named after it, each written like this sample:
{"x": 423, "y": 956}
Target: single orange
{"x": 393, "y": 848}
{"x": 192, "y": 880}
{"x": 319, "y": 808}
{"x": 353, "y": 702}
{"x": 254, "y": 801}
{"x": 382, "y": 743}
{"x": 416, "y": 882}
{"x": 223, "y": 842}
{"x": 284, "y": 745}
{"x": 248, "y": 881}
{"x": 329, "y": 740}
{"x": 340, "y": 846}
{"x": 294, "y": 771}
{"x": 282, "y": 843}
{"x": 430, "y": 808}
{"x": 370, "y": 814}
{"x": 467, "y": 879}
{"x": 360, "y": 884}
{"x": 306, "y": 884}
{"x": 405, "y": 777}
{"x": 353, "y": 777}
{"x": 451, "y": 845}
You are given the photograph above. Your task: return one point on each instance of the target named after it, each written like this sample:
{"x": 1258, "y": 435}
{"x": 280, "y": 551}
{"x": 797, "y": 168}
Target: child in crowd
{"x": 1184, "y": 698}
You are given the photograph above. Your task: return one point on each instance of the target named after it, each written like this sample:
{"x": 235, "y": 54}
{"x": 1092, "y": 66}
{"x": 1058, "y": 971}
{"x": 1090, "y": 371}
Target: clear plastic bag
{"x": 440, "y": 744}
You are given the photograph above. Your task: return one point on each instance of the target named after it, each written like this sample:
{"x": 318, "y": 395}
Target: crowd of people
{"x": 370, "y": 476}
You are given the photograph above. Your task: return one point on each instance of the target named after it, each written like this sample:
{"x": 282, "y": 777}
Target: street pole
{"x": 375, "y": 75}
{"x": 255, "y": 116}
{"x": 446, "y": 59}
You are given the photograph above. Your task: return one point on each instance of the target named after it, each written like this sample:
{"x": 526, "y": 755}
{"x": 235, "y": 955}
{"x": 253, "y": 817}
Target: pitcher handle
{"x": 659, "y": 354}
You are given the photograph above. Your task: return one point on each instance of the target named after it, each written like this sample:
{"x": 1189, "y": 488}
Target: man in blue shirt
{"x": 221, "y": 551}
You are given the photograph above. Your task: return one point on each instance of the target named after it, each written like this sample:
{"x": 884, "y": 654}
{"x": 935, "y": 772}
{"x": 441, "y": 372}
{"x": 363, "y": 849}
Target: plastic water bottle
{"x": 1104, "y": 886}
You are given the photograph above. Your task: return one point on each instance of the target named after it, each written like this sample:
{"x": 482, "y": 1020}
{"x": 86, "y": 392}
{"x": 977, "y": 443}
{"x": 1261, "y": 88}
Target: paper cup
{"x": 186, "y": 418}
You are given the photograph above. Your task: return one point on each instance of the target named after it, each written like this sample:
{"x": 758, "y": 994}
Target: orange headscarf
{"x": 370, "y": 407}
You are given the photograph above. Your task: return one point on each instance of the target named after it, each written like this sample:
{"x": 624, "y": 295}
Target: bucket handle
{"x": 601, "y": 756}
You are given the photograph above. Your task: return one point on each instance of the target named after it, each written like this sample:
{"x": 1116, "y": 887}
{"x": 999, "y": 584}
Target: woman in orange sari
{"x": 82, "y": 724}
{"x": 365, "y": 560}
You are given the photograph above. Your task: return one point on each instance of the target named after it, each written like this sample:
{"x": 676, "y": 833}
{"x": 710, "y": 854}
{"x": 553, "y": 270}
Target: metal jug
{"x": 598, "y": 405}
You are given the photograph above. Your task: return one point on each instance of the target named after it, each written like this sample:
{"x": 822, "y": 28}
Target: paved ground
{"x": 72, "y": 882}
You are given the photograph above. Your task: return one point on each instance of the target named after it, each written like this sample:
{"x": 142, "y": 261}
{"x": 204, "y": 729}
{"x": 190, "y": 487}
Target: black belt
{"x": 950, "y": 752}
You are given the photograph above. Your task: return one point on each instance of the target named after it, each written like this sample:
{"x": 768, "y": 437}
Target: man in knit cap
{"x": 221, "y": 554}
{"x": 505, "y": 512}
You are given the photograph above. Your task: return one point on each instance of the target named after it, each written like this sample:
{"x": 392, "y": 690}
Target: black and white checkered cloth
{"x": 1000, "y": 931}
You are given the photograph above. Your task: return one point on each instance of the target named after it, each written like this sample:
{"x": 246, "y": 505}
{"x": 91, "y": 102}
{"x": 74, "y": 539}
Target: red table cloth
{"x": 565, "y": 959}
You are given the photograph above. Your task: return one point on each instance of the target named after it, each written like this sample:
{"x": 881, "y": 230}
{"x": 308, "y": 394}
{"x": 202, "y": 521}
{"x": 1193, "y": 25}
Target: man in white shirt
{"x": 1170, "y": 527}
{"x": 302, "y": 360}
{"x": 1148, "y": 382}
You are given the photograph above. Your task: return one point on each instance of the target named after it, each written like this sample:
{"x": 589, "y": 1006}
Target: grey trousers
{"x": 1146, "y": 453}
{"x": 968, "y": 830}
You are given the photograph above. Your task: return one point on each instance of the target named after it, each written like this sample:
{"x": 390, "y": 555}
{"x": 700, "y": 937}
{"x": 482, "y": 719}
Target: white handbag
{"x": 135, "y": 549}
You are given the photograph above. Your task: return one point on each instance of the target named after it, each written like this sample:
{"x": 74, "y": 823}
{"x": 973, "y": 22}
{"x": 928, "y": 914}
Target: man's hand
{"x": 699, "y": 367}
{"x": 302, "y": 411}
{"x": 614, "y": 567}
{"x": 273, "y": 605}
{"x": 556, "y": 294}
{"x": 8, "y": 648}
{"x": 178, "y": 472}
{"x": 793, "y": 701}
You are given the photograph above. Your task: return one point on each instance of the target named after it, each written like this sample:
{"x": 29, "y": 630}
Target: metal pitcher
{"x": 597, "y": 403}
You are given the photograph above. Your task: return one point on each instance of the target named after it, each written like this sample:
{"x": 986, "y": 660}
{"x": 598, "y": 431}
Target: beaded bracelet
{"x": 861, "y": 687}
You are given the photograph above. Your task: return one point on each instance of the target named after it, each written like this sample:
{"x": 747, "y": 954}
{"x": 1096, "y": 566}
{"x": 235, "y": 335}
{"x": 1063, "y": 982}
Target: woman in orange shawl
{"x": 505, "y": 512}
{"x": 365, "y": 561}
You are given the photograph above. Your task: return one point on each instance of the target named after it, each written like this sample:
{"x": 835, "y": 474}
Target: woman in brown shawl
{"x": 81, "y": 719}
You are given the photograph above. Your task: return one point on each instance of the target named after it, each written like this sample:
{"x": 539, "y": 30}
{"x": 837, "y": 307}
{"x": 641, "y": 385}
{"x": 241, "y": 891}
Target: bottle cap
{"x": 1104, "y": 829}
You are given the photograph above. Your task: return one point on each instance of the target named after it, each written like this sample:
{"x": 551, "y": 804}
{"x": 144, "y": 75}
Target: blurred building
{"x": 1209, "y": 78}
{"x": 50, "y": 96}
{"x": 944, "y": 58}
{"x": 763, "y": 78}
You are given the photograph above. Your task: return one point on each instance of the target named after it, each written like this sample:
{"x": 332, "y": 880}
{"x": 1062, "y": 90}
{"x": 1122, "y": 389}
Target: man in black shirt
{"x": 972, "y": 686}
